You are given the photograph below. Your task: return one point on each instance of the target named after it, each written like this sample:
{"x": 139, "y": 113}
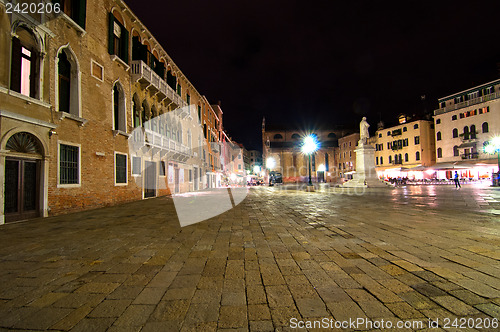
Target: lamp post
{"x": 492, "y": 148}
{"x": 309, "y": 146}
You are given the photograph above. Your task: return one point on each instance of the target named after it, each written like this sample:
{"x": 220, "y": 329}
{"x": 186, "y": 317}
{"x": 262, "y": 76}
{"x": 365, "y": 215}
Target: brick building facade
{"x": 73, "y": 90}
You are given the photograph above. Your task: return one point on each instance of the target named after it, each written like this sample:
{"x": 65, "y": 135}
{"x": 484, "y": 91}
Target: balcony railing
{"x": 162, "y": 142}
{"x": 471, "y": 102}
{"x": 473, "y": 155}
{"x": 215, "y": 147}
{"x": 142, "y": 73}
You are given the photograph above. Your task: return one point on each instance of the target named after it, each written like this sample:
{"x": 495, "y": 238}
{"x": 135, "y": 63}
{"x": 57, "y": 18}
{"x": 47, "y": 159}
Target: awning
{"x": 467, "y": 145}
{"x": 449, "y": 166}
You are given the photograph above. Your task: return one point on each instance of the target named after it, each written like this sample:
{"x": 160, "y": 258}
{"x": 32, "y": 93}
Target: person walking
{"x": 457, "y": 181}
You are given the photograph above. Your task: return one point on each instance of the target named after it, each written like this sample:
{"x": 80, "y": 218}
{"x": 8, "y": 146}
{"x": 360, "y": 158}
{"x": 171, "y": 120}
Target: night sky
{"x": 325, "y": 62}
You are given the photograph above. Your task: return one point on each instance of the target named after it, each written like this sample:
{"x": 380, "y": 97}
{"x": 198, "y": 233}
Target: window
{"x": 145, "y": 115}
{"x": 190, "y": 175}
{"x": 376, "y": 160}
{"x": 179, "y": 89}
{"x": 295, "y": 136}
{"x": 278, "y": 136}
{"x": 25, "y": 64}
{"x": 417, "y": 140}
{"x": 136, "y": 165}
{"x": 120, "y": 168}
{"x": 438, "y": 136}
{"x": 239, "y": 166}
{"x": 381, "y": 160}
{"x": 439, "y": 153}
{"x": 332, "y": 135}
{"x": 453, "y": 118}
{"x": 327, "y": 164}
{"x": 406, "y": 157}
{"x": 466, "y": 132}
{"x": 417, "y": 155}
{"x": 455, "y": 151}
{"x": 473, "y": 132}
{"x": 136, "y": 112}
{"x": 75, "y": 9}
{"x": 118, "y": 39}
{"x": 64, "y": 68}
{"x": 415, "y": 126}
{"x": 69, "y": 164}
{"x": 239, "y": 156}
{"x": 388, "y": 133}
{"x": 199, "y": 114}
{"x": 438, "y": 121}
{"x": 485, "y": 127}
{"x": 162, "y": 168}
{"x": 118, "y": 108}
{"x": 379, "y": 135}
{"x": 454, "y": 133}
{"x": 405, "y": 129}
{"x": 388, "y": 145}
{"x": 390, "y": 159}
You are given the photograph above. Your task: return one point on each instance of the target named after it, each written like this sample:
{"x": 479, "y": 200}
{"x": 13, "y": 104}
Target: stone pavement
{"x": 407, "y": 254}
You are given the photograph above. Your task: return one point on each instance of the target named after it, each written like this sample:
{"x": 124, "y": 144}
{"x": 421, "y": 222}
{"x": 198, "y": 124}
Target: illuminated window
{"x": 25, "y": 64}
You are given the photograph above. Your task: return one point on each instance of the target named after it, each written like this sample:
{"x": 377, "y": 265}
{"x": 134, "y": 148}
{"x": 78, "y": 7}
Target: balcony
{"x": 144, "y": 138}
{"x": 473, "y": 155}
{"x": 475, "y": 101}
{"x": 215, "y": 147}
{"x": 148, "y": 79}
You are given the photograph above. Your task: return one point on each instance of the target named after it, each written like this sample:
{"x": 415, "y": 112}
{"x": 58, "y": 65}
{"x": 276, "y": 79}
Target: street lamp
{"x": 309, "y": 146}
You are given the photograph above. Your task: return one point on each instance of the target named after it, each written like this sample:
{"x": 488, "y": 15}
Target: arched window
{"x": 390, "y": 159}
{"x": 278, "y": 136}
{"x": 454, "y": 133}
{"x": 439, "y": 153}
{"x": 136, "y": 111}
{"x": 455, "y": 151}
{"x": 119, "y": 121}
{"x": 400, "y": 159}
{"x": 25, "y": 64}
{"x": 466, "y": 132}
{"x": 473, "y": 132}
{"x": 485, "y": 127}
{"x": 417, "y": 155}
{"x": 145, "y": 115}
{"x": 68, "y": 82}
{"x": 438, "y": 136}
{"x": 381, "y": 160}
{"x": 295, "y": 136}
{"x": 154, "y": 119}
{"x": 406, "y": 157}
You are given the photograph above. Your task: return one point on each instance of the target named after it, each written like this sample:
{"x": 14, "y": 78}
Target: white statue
{"x": 363, "y": 131}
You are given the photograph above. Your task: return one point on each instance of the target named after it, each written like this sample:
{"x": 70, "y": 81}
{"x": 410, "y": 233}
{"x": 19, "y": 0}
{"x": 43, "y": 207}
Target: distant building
{"x": 347, "y": 155}
{"x": 255, "y": 159}
{"x": 282, "y": 153}
{"x": 407, "y": 145}
{"x": 465, "y": 123}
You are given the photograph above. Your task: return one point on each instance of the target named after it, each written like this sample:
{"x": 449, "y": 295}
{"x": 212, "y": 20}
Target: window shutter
{"x": 111, "y": 39}
{"x": 15, "y": 82}
{"x": 82, "y": 13}
{"x": 124, "y": 44}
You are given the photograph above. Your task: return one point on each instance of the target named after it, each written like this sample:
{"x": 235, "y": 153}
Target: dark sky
{"x": 323, "y": 62}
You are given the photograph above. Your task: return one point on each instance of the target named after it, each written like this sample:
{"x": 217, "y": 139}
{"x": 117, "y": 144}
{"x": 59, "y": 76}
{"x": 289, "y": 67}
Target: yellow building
{"x": 408, "y": 145}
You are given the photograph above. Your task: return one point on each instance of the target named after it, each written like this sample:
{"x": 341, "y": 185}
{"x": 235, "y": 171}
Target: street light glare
{"x": 310, "y": 144}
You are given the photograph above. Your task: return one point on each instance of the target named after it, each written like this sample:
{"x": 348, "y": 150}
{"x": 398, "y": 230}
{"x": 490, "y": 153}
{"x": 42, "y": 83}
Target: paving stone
{"x": 258, "y": 312}
{"x": 403, "y": 310}
{"x": 232, "y": 317}
{"x": 279, "y": 296}
{"x": 135, "y": 315}
{"x": 489, "y": 309}
{"x": 455, "y": 306}
{"x": 311, "y": 307}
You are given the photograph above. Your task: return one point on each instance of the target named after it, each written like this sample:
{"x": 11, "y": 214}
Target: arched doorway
{"x": 22, "y": 177}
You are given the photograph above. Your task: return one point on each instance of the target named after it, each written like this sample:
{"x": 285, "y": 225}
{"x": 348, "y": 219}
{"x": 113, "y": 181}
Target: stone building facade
{"x": 465, "y": 124}
{"x": 347, "y": 155}
{"x": 407, "y": 145}
{"x": 73, "y": 90}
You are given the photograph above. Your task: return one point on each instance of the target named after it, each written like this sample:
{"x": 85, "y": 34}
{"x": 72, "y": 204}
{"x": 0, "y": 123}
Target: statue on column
{"x": 363, "y": 132}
